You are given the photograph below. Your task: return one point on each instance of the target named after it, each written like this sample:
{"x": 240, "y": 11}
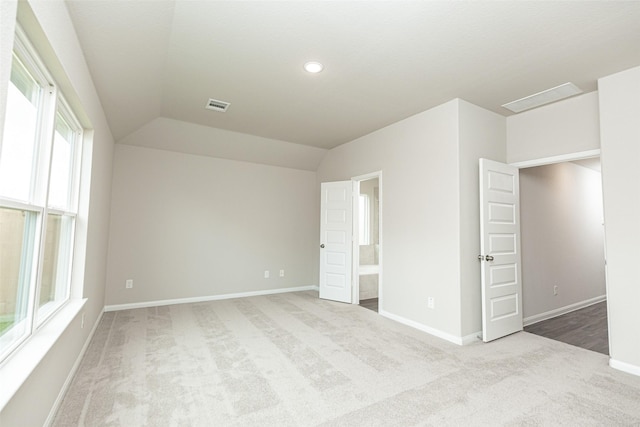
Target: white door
{"x": 500, "y": 246}
{"x": 335, "y": 240}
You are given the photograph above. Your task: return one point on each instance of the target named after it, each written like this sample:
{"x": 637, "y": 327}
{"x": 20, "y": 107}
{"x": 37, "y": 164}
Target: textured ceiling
{"x": 384, "y": 61}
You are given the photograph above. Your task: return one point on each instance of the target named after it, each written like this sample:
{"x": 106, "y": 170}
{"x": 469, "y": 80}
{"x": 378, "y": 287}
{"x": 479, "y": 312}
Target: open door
{"x": 335, "y": 240}
{"x": 500, "y": 246}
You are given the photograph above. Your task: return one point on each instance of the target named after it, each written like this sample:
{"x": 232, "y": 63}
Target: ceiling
{"x": 384, "y": 61}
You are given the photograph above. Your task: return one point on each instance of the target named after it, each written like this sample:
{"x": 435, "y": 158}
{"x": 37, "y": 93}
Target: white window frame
{"x": 51, "y": 103}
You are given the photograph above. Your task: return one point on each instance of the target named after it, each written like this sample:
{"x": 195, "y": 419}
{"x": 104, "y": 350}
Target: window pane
{"x": 17, "y": 232}
{"x": 18, "y": 141}
{"x": 54, "y": 287}
{"x": 59, "y": 187}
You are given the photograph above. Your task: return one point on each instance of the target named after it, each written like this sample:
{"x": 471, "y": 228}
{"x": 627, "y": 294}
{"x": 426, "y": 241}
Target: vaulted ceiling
{"x": 384, "y": 61}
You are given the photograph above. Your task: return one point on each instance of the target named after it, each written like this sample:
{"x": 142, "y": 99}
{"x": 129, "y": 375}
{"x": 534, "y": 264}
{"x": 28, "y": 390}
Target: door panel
{"x": 335, "y": 240}
{"x": 500, "y": 246}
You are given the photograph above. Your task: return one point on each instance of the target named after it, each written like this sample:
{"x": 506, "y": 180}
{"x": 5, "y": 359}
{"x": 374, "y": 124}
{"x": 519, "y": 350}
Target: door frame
{"x": 579, "y": 155}
{"x": 355, "y": 258}
{"x": 543, "y": 161}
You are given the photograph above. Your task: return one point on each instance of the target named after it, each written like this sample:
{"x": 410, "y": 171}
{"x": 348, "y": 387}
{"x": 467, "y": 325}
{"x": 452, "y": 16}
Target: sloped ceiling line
{"x": 384, "y": 61}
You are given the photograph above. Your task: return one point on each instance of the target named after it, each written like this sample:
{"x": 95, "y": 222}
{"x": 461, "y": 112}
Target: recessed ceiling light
{"x": 313, "y": 67}
{"x": 545, "y": 97}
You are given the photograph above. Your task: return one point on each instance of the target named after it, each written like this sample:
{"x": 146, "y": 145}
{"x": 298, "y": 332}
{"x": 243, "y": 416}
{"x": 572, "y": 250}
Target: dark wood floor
{"x": 585, "y": 328}
{"x": 371, "y": 304}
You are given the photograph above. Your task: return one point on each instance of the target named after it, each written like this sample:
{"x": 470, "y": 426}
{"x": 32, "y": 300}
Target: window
{"x": 39, "y": 179}
{"x": 364, "y": 211}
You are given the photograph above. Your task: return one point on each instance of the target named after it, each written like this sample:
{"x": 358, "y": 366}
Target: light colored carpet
{"x": 295, "y": 360}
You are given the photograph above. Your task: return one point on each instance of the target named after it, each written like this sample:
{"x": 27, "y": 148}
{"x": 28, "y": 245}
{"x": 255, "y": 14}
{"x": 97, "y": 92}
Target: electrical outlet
{"x": 555, "y": 290}
{"x": 266, "y": 274}
{"x": 431, "y": 303}
{"x": 281, "y": 273}
{"x": 128, "y": 284}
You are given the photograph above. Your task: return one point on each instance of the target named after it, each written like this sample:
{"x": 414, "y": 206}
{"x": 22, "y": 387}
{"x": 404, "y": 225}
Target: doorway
{"x": 367, "y": 241}
{"x": 563, "y": 265}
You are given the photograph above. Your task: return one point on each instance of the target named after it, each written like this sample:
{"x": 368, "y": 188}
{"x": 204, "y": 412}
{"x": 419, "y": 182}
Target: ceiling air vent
{"x": 215, "y": 105}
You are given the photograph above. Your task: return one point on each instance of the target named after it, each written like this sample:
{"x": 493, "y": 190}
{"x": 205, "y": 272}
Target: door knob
{"x": 322, "y": 245}
{"x": 488, "y": 258}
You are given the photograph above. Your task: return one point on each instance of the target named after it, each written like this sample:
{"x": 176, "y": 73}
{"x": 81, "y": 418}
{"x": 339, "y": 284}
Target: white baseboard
{"x": 625, "y": 367}
{"x": 562, "y": 310}
{"x": 471, "y": 338}
{"x": 158, "y": 303}
{"x": 431, "y": 331}
{"x": 72, "y": 373}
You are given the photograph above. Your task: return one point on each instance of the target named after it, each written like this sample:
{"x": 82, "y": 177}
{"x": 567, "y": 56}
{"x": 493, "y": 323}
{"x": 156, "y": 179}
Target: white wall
{"x": 536, "y": 134}
{"x": 418, "y": 159}
{"x": 175, "y": 135}
{"x": 187, "y": 226}
{"x": 562, "y": 236}
{"x": 48, "y": 25}
{"x": 430, "y": 168}
{"x": 564, "y": 127}
{"x": 482, "y": 134}
{"x": 620, "y": 140}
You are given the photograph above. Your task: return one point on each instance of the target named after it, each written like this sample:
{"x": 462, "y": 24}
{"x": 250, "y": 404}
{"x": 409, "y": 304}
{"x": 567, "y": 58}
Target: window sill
{"x": 18, "y": 367}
